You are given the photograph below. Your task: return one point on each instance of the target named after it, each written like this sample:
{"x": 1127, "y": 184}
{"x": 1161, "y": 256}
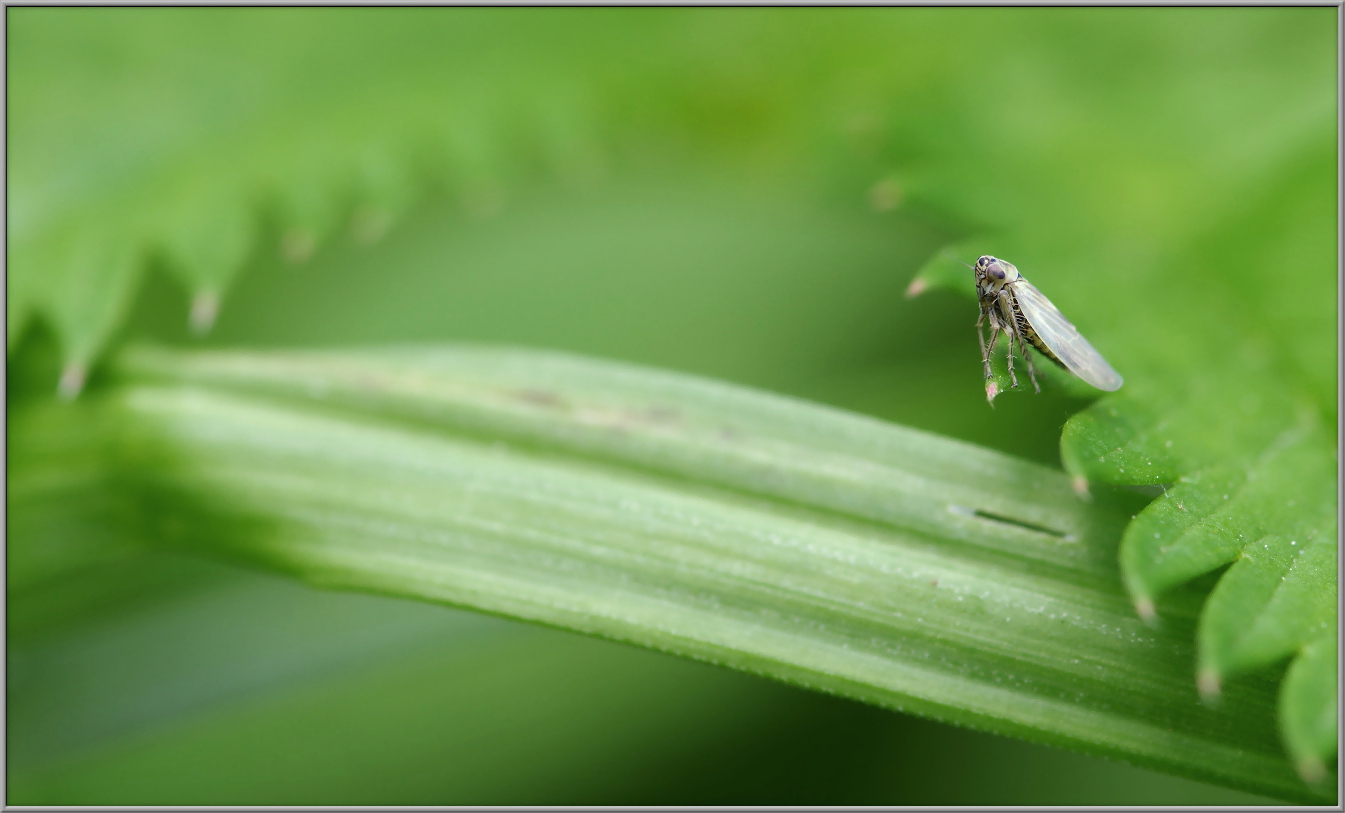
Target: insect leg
{"x": 1031, "y": 368}
{"x": 980, "y": 335}
{"x": 1010, "y": 327}
{"x": 995, "y": 329}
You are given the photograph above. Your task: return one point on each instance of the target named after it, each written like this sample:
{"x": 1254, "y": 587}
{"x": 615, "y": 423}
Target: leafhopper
{"x": 1013, "y": 306}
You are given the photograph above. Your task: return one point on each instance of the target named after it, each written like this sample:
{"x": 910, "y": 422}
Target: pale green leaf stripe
{"x": 690, "y": 427}
{"x": 746, "y": 529}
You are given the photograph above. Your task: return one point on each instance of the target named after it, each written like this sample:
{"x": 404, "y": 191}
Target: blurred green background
{"x": 739, "y": 194}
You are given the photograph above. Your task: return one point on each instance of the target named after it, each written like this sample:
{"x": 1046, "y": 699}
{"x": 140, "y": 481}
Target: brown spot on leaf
{"x": 541, "y": 398}
{"x": 662, "y": 414}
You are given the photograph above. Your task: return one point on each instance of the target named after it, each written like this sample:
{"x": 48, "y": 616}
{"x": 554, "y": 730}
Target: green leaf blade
{"x": 802, "y": 543}
{"x": 683, "y": 426}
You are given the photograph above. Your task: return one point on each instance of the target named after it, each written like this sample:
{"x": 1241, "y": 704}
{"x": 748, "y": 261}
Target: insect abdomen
{"x": 1026, "y": 331}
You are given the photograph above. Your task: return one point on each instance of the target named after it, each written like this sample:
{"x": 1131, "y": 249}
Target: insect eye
{"x": 986, "y": 260}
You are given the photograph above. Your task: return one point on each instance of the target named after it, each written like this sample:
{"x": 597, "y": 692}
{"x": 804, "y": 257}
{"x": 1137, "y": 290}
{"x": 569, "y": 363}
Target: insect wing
{"x": 1064, "y": 339}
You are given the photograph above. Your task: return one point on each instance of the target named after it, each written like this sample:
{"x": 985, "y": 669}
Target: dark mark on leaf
{"x": 542, "y": 398}
{"x": 1004, "y": 520}
{"x": 1018, "y": 523}
{"x": 369, "y": 383}
{"x": 662, "y": 414}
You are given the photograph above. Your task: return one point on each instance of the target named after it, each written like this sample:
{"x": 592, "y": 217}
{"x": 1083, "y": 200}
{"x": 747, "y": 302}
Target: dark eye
{"x": 986, "y": 260}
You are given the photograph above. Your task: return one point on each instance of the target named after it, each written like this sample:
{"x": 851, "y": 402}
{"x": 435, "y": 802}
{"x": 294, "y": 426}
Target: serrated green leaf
{"x": 1269, "y": 603}
{"x": 1217, "y": 307}
{"x": 1281, "y": 593}
{"x": 206, "y": 236}
{"x": 144, "y": 131}
{"x": 1185, "y": 533}
{"x": 1255, "y": 486}
{"x": 91, "y": 276}
{"x": 1309, "y": 706}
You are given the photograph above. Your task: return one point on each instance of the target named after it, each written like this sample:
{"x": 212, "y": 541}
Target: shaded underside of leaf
{"x": 768, "y": 535}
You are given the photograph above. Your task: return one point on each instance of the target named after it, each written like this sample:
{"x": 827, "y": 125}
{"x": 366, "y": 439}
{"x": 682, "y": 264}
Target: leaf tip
{"x": 1144, "y": 607}
{"x": 369, "y": 225}
{"x": 917, "y": 287}
{"x": 1208, "y": 683}
{"x": 1312, "y": 769}
{"x": 1080, "y": 485}
{"x": 204, "y": 309}
{"x": 72, "y": 381}
{"x": 885, "y": 195}
{"x": 298, "y": 246}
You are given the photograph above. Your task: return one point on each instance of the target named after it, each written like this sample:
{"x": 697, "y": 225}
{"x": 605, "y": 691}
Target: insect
{"x": 1015, "y": 307}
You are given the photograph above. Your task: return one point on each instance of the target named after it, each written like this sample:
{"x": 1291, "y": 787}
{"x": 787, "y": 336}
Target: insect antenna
{"x": 956, "y": 260}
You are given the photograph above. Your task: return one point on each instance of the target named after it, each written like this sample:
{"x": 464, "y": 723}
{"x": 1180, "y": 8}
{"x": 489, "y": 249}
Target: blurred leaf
{"x": 820, "y": 548}
{"x": 225, "y": 674}
{"x": 317, "y": 696}
{"x": 151, "y": 131}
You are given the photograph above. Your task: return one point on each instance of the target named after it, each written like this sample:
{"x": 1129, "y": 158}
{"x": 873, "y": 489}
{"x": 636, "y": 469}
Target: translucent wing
{"x": 1057, "y": 333}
